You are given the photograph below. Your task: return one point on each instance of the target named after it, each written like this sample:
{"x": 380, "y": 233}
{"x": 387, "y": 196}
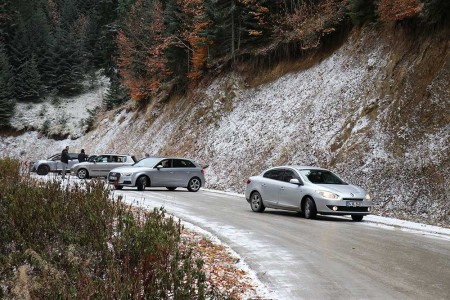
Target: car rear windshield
{"x": 148, "y": 162}
{"x": 321, "y": 177}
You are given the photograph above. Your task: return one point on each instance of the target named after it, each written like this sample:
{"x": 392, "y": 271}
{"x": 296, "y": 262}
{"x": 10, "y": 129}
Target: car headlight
{"x": 367, "y": 197}
{"x": 328, "y": 195}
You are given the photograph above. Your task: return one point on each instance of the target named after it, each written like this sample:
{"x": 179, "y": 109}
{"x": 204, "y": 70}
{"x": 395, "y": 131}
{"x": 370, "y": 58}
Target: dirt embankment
{"x": 375, "y": 110}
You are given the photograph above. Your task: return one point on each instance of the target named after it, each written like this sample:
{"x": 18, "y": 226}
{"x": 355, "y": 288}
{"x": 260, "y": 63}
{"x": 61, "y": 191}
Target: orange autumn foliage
{"x": 195, "y": 24}
{"x": 141, "y": 44}
{"x": 395, "y": 10}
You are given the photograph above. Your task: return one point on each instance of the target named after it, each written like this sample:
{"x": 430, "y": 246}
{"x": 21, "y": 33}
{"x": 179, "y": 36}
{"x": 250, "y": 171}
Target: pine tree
{"x": 28, "y": 81}
{"x": 177, "y": 52}
{"x": 116, "y": 95}
{"x": 68, "y": 57}
{"x": 7, "y": 100}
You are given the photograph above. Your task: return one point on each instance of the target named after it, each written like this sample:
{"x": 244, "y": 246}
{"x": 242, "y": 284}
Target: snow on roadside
{"x": 388, "y": 223}
{"x": 66, "y": 116}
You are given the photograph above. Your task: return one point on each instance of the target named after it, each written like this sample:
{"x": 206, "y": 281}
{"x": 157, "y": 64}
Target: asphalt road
{"x": 326, "y": 258}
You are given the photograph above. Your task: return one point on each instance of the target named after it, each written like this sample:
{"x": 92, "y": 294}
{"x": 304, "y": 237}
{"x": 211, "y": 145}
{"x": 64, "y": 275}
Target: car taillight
{"x": 248, "y": 181}
{"x": 203, "y": 171}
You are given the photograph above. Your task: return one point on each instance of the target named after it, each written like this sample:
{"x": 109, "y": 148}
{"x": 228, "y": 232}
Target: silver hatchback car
{"x": 53, "y": 164}
{"x": 308, "y": 190}
{"x": 101, "y": 165}
{"x": 169, "y": 172}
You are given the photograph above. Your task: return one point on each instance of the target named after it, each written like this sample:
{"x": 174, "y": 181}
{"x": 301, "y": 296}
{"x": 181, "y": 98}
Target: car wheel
{"x": 118, "y": 187}
{"x": 309, "y": 209}
{"x": 142, "y": 182}
{"x": 194, "y": 184}
{"x": 256, "y": 202}
{"x": 43, "y": 170}
{"x": 357, "y": 218}
{"x": 171, "y": 188}
{"x": 83, "y": 174}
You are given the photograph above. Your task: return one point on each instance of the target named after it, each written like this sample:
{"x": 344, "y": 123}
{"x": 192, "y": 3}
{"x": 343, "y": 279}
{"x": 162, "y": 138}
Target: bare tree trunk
{"x": 232, "y": 30}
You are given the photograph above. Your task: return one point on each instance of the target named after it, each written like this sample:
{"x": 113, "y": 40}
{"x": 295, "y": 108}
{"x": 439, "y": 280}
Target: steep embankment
{"x": 375, "y": 111}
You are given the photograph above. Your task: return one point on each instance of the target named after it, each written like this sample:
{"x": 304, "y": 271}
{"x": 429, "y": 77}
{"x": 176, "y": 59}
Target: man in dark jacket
{"x": 82, "y": 156}
{"x": 65, "y": 161}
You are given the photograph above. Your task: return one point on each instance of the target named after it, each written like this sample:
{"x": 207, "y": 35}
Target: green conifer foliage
{"x": 116, "y": 95}
{"x": 361, "y": 11}
{"x": 7, "y": 100}
{"x": 437, "y": 11}
{"x": 28, "y": 81}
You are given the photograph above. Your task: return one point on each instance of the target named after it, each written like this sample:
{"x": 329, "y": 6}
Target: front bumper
{"x": 115, "y": 178}
{"x": 346, "y": 206}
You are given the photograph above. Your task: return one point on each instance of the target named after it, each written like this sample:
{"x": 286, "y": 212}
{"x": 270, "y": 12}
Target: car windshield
{"x": 321, "y": 177}
{"x": 148, "y": 162}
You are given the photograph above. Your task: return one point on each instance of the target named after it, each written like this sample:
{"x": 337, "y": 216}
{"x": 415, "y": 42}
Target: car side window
{"x": 166, "y": 163}
{"x": 288, "y": 175}
{"x": 274, "y": 174}
{"x": 123, "y": 159}
{"x": 268, "y": 174}
{"x": 102, "y": 159}
{"x": 182, "y": 163}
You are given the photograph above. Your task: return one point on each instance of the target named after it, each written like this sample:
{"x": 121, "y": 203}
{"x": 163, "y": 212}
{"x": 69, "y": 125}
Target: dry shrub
{"x": 78, "y": 242}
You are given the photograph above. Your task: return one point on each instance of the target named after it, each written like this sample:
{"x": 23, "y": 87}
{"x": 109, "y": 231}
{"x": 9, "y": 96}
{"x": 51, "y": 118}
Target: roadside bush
{"x": 78, "y": 242}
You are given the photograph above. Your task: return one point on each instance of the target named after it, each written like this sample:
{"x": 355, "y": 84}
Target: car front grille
{"x": 352, "y": 199}
{"x": 117, "y": 175}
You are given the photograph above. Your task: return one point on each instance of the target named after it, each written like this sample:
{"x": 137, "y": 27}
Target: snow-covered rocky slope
{"x": 375, "y": 111}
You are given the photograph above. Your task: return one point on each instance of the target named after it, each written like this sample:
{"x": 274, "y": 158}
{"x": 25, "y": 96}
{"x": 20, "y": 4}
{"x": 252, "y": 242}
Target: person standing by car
{"x": 82, "y": 156}
{"x": 65, "y": 161}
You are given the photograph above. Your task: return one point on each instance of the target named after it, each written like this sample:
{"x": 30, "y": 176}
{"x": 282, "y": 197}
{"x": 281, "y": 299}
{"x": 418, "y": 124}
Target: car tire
{"x": 83, "y": 174}
{"x": 118, "y": 187}
{"x": 43, "y": 170}
{"x": 309, "y": 209}
{"x": 194, "y": 184}
{"x": 171, "y": 188}
{"x": 357, "y": 218}
{"x": 256, "y": 202}
{"x": 142, "y": 182}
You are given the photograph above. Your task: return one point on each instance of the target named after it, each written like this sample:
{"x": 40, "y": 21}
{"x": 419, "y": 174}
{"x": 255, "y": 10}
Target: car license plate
{"x": 353, "y": 204}
{"x": 112, "y": 178}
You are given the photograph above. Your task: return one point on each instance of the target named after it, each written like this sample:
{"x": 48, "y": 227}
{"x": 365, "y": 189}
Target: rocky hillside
{"x": 375, "y": 110}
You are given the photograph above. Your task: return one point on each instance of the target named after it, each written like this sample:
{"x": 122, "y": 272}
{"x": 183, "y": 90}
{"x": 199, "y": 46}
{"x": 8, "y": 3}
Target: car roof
{"x": 298, "y": 167}
{"x": 170, "y": 157}
{"x": 112, "y": 154}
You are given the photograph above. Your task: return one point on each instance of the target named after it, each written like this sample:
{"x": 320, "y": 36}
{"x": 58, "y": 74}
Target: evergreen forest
{"x": 151, "y": 48}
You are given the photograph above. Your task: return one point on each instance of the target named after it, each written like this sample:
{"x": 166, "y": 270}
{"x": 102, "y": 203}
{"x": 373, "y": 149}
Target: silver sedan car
{"x": 169, "y": 172}
{"x": 101, "y": 165}
{"x": 308, "y": 190}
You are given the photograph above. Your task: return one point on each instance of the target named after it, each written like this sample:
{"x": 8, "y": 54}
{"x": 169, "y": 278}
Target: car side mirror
{"x": 159, "y": 167}
{"x": 295, "y": 181}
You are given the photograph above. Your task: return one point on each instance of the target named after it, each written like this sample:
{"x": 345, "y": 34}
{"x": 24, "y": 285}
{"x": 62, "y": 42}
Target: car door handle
{"x": 264, "y": 184}
{"x": 282, "y": 188}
